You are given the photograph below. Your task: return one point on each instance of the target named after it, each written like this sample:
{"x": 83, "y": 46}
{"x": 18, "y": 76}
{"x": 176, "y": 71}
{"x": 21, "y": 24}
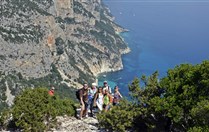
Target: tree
{"x": 134, "y": 114}
{"x": 186, "y": 85}
{"x": 119, "y": 118}
{"x": 177, "y": 102}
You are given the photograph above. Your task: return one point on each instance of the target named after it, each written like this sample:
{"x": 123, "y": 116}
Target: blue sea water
{"x": 162, "y": 34}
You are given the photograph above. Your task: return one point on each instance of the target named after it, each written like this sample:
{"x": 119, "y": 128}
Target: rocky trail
{"x": 72, "y": 124}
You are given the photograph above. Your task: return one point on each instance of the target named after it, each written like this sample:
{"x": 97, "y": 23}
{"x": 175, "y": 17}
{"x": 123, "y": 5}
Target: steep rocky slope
{"x": 55, "y": 42}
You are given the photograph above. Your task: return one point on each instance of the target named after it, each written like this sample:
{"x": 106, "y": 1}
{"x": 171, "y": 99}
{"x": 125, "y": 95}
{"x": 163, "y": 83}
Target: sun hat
{"x": 94, "y": 84}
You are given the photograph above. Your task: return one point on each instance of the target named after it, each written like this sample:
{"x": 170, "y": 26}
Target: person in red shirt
{"x": 51, "y": 91}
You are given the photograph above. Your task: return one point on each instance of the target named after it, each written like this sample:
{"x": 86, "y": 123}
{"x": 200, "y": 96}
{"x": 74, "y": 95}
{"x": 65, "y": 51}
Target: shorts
{"x": 108, "y": 106}
{"x": 91, "y": 103}
{"x": 116, "y": 103}
{"x": 85, "y": 104}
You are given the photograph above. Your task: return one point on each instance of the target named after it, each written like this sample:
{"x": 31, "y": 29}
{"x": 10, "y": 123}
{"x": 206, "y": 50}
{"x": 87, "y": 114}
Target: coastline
{"x": 118, "y": 30}
{"x": 110, "y": 70}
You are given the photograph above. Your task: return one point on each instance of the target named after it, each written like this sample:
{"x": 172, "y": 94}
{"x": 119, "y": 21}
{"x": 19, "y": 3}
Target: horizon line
{"x": 158, "y": 1}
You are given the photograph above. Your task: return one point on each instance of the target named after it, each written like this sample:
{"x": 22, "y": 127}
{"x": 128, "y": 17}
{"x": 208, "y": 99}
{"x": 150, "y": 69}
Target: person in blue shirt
{"x": 91, "y": 94}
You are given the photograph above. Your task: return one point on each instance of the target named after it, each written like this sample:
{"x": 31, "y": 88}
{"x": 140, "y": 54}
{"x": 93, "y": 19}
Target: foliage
{"x": 105, "y": 27}
{"x": 200, "y": 113}
{"x": 118, "y": 118}
{"x": 106, "y": 40}
{"x": 177, "y": 102}
{"x": 3, "y": 97}
{"x": 107, "y": 36}
{"x": 27, "y": 5}
{"x": 199, "y": 129}
{"x": 35, "y": 110}
{"x": 17, "y": 84}
{"x": 69, "y": 20}
{"x": 64, "y": 106}
{"x": 21, "y": 11}
{"x": 79, "y": 9}
{"x": 186, "y": 86}
{"x": 59, "y": 42}
{"x": 30, "y": 33}
{"x": 5, "y": 116}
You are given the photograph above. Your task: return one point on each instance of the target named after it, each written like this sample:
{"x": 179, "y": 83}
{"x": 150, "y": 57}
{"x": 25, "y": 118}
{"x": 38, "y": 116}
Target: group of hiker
{"x": 101, "y": 98}
{"x": 95, "y": 97}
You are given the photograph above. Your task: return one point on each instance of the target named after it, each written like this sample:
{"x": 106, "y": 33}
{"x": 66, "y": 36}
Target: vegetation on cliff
{"x": 55, "y": 42}
{"x": 15, "y": 80}
{"x": 177, "y": 102}
{"x": 36, "y": 110}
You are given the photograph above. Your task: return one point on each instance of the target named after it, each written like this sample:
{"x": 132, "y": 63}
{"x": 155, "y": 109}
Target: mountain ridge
{"x": 56, "y": 42}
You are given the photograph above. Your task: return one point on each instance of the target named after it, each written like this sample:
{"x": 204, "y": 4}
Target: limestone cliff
{"x": 56, "y": 42}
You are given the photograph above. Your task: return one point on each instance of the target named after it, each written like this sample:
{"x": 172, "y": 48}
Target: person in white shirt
{"x": 98, "y": 99}
{"x": 106, "y": 87}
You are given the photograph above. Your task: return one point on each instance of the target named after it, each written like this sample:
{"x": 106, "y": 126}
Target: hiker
{"x": 51, "y": 91}
{"x": 117, "y": 96}
{"x": 106, "y": 87}
{"x": 83, "y": 93}
{"x": 91, "y": 93}
{"x": 98, "y": 99}
{"x": 107, "y": 100}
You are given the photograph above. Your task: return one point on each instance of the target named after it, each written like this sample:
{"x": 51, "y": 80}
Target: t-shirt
{"x": 92, "y": 92}
{"x": 84, "y": 93}
{"x": 107, "y": 99}
{"x": 107, "y": 88}
{"x": 116, "y": 97}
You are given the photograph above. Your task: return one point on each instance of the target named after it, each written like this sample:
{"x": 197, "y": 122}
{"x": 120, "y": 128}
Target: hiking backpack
{"x": 77, "y": 94}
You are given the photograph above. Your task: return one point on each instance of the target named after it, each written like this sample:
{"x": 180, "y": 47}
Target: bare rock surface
{"x": 72, "y": 124}
{"x": 56, "y": 42}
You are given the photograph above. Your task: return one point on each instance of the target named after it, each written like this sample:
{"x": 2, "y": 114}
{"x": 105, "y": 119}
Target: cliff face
{"x": 56, "y": 42}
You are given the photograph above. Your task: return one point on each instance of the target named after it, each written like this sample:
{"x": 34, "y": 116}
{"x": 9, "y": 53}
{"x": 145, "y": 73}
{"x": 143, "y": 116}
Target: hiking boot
{"x": 85, "y": 116}
{"x": 80, "y": 118}
{"x": 92, "y": 115}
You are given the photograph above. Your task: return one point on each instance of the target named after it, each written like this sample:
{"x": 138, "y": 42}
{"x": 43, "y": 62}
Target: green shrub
{"x": 69, "y": 20}
{"x": 177, "y": 102}
{"x": 200, "y": 113}
{"x": 119, "y": 118}
{"x": 4, "y": 118}
{"x": 35, "y": 110}
{"x": 199, "y": 129}
{"x": 64, "y": 107}
{"x": 105, "y": 27}
{"x": 79, "y": 9}
{"x": 59, "y": 42}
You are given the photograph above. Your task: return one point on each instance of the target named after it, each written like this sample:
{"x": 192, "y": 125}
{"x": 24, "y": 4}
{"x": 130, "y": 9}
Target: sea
{"x": 162, "y": 34}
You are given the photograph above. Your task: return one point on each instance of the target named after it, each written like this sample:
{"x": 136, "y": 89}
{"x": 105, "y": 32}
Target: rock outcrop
{"x": 71, "y": 124}
{"x": 56, "y": 42}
